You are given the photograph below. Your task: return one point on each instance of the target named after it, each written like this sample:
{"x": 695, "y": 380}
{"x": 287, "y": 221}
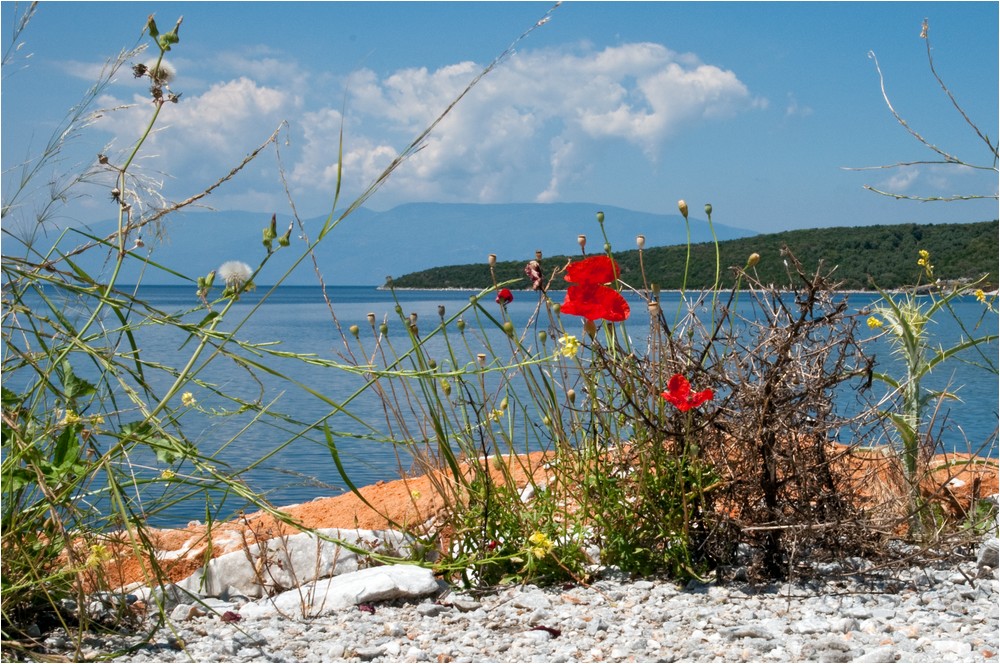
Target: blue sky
{"x": 755, "y": 107}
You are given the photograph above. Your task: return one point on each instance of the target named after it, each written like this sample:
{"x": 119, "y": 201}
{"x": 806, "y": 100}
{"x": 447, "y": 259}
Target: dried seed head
{"x": 371, "y": 319}
{"x": 492, "y": 260}
{"x": 582, "y": 241}
{"x": 640, "y": 241}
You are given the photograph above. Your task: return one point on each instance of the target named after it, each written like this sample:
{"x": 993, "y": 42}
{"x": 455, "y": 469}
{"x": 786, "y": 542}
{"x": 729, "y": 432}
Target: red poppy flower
{"x": 594, "y": 270}
{"x": 679, "y": 393}
{"x": 590, "y": 298}
{"x": 595, "y": 302}
{"x": 504, "y": 297}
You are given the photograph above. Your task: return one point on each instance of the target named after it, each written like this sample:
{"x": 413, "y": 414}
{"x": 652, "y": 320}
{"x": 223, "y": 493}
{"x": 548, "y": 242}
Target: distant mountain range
{"x": 368, "y": 246}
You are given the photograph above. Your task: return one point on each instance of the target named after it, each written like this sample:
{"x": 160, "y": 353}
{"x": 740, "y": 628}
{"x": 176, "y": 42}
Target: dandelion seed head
{"x": 235, "y": 274}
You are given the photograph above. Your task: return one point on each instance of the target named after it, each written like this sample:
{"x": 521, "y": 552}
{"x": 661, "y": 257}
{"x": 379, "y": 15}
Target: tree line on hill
{"x": 883, "y": 256}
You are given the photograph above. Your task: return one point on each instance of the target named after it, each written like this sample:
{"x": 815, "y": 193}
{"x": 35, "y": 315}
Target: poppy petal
{"x": 594, "y": 270}
{"x": 595, "y": 302}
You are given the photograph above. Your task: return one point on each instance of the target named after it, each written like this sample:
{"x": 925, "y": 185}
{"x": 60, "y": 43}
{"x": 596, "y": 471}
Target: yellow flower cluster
{"x": 925, "y": 262}
{"x": 980, "y": 295}
{"x": 541, "y": 545}
{"x": 875, "y": 322}
{"x": 569, "y": 345}
{"x": 188, "y": 400}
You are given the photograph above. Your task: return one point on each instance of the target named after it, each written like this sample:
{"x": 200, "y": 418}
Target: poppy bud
{"x": 398, "y": 309}
{"x": 571, "y": 395}
{"x": 600, "y": 217}
{"x": 543, "y": 336}
{"x": 383, "y": 329}
{"x": 640, "y": 241}
{"x": 708, "y": 209}
{"x": 582, "y": 241}
{"x": 753, "y": 259}
{"x": 446, "y": 387}
{"x": 683, "y": 207}
{"x": 590, "y": 328}
{"x": 607, "y": 248}
{"x": 432, "y": 363}
{"x": 355, "y": 330}
{"x": 461, "y": 325}
{"x": 492, "y": 260}
{"x": 508, "y": 328}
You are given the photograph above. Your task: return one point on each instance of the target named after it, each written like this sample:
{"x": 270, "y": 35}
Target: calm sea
{"x": 298, "y": 465}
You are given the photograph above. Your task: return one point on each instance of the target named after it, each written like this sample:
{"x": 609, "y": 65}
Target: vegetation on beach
{"x": 706, "y": 446}
{"x": 863, "y": 256}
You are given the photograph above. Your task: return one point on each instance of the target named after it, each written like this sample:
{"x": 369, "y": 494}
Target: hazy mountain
{"x": 367, "y": 246}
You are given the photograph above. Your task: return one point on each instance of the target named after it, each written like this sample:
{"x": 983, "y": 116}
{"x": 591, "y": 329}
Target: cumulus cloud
{"x": 540, "y": 110}
{"x": 529, "y": 130}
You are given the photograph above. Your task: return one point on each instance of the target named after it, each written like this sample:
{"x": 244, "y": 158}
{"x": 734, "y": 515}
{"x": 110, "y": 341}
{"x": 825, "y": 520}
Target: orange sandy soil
{"x": 955, "y": 480}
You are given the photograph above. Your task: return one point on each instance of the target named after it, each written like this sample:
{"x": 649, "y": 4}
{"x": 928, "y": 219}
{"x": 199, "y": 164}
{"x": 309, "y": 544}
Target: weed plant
{"x": 707, "y": 445}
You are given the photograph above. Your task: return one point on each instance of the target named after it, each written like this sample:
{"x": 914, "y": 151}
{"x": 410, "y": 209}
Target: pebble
{"x": 909, "y": 615}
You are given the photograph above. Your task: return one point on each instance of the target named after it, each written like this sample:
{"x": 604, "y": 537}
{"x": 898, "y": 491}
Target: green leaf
{"x": 67, "y": 449}
{"x": 73, "y": 386}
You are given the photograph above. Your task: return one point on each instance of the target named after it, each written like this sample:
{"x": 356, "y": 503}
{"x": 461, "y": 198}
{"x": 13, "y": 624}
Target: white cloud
{"x": 538, "y": 112}
{"x": 529, "y": 130}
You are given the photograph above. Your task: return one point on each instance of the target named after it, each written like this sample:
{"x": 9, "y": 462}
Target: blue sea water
{"x": 294, "y": 460}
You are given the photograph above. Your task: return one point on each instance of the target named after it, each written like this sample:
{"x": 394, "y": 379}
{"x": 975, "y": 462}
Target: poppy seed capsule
{"x": 492, "y": 259}
{"x": 600, "y": 217}
{"x": 582, "y": 241}
{"x": 461, "y": 325}
{"x": 383, "y": 329}
{"x": 355, "y": 330}
{"x": 371, "y": 319}
{"x": 432, "y": 363}
{"x": 708, "y": 209}
{"x": 543, "y": 336}
{"x": 640, "y": 241}
{"x": 508, "y": 328}
{"x": 441, "y": 310}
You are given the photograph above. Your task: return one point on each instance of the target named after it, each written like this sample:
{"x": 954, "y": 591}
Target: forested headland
{"x": 864, "y": 257}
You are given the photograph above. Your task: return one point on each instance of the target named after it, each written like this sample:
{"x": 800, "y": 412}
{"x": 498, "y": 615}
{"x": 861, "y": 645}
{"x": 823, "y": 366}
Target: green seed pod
{"x": 355, "y": 330}
{"x": 383, "y": 329}
{"x": 461, "y": 325}
{"x": 708, "y": 209}
{"x": 508, "y": 328}
{"x": 600, "y": 217}
{"x": 432, "y": 363}
{"x": 543, "y": 336}
{"x": 446, "y": 387}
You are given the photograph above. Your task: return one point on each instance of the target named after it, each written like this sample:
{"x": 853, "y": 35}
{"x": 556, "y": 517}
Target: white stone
{"x": 281, "y": 563}
{"x": 327, "y": 595}
{"x": 989, "y": 553}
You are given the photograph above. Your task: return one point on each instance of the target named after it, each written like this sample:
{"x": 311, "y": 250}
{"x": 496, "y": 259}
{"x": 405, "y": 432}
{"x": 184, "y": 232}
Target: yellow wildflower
{"x": 167, "y": 474}
{"x": 980, "y": 295}
{"x": 541, "y": 545}
{"x": 874, "y": 322}
{"x": 925, "y": 262}
{"x": 97, "y": 420}
{"x": 188, "y": 400}
{"x": 98, "y": 554}
{"x": 69, "y": 418}
{"x": 569, "y": 345}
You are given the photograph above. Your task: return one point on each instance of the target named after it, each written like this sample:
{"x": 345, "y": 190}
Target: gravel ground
{"x": 947, "y": 614}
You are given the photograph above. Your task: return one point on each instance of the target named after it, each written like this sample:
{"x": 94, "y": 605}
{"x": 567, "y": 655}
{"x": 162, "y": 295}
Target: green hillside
{"x": 886, "y": 254}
